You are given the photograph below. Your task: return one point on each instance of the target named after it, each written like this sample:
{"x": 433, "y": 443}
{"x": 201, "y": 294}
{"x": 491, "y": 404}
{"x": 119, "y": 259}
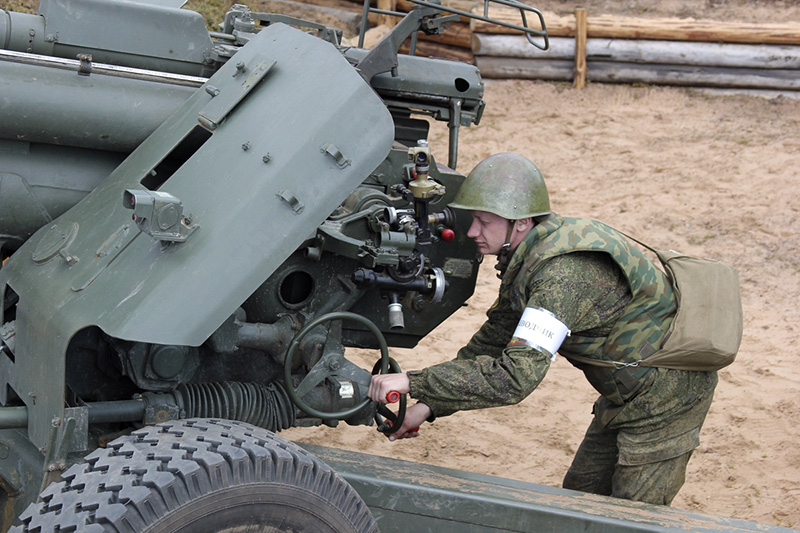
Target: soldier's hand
{"x": 415, "y": 416}
{"x": 382, "y": 384}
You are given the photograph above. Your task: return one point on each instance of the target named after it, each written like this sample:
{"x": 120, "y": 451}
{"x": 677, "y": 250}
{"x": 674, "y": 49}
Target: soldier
{"x": 573, "y": 286}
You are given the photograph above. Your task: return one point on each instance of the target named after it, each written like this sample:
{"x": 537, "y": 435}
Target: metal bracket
{"x": 85, "y": 65}
{"x": 337, "y": 155}
{"x": 296, "y": 205}
{"x": 55, "y": 460}
{"x": 223, "y": 101}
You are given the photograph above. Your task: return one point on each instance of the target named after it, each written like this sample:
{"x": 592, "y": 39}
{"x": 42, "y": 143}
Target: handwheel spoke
{"x": 318, "y": 373}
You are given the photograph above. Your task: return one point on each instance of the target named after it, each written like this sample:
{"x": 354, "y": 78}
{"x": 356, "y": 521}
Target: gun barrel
{"x": 179, "y": 43}
{"x": 79, "y": 115}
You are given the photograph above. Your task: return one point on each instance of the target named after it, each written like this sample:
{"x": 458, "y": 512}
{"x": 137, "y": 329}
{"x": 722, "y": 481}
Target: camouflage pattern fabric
{"x": 640, "y": 451}
{"x": 618, "y": 306}
{"x": 638, "y": 330}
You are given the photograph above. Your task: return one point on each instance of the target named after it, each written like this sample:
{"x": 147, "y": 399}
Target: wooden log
{"x": 524, "y": 68}
{"x": 404, "y": 6}
{"x": 503, "y": 45}
{"x": 693, "y": 76}
{"x": 462, "y": 5}
{"x": 431, "y": 49}
{"x": 509, "y": 45}
{"x": 579, "y": 77}
{"x": 615, "y": 72}
{"x": 768, "y": 56}
{"x": 456, "y": 34}
{"x": 329, "y": 16}
{"x": 344, "y": 5}
{"x": 668, "y": 29}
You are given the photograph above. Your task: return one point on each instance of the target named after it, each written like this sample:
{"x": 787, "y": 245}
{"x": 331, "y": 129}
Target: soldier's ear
{"x": 524, "y": 224}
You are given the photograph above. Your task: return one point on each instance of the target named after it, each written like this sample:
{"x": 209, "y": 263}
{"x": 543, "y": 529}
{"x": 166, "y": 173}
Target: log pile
{"x": 650, "y": 51}
{"x": 608, "y": 48}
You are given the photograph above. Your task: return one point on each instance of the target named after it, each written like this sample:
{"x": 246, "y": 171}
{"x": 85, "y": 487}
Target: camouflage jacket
{"x": 617, "y": 304}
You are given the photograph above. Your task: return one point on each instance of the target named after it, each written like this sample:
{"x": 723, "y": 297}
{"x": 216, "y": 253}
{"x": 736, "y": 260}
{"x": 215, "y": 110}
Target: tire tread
{"x": 141, "y": 477}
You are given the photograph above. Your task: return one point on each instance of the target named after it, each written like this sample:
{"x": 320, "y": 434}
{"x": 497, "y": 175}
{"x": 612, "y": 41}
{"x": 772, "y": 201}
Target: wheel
{"x": 199, "y": 476}
{"x": 320, "y": 371}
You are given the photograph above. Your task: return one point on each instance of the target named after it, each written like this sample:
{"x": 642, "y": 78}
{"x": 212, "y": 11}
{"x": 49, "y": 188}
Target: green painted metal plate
{"x": 405, "y": 496}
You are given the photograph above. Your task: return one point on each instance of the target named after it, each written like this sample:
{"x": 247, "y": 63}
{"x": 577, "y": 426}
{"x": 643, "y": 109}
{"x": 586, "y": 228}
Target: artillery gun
{"x": 194, "y": 226}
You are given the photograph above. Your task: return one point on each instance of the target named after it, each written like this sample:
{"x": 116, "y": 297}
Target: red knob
{"x": 393, "y": 396}
{"x": 448, "y": 235}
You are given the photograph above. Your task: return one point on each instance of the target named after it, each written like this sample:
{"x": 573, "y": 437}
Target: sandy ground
{"x": 715, "y": 176}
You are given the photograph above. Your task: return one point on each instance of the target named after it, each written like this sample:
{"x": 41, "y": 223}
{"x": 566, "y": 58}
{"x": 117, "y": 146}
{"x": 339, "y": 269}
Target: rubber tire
{"x": 199, "y": 475}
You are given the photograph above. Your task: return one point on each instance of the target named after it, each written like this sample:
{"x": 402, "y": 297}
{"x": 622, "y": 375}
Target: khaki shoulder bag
{"x": 707, "y": 329}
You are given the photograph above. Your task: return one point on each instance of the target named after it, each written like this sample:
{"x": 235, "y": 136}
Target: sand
{"x": 715, "y": 176}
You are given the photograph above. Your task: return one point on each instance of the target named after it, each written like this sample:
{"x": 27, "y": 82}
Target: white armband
{"x": 540, "y": 329}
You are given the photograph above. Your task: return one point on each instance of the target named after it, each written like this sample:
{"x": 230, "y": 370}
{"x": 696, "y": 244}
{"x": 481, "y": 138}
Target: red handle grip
{"x": 410, "y": 430}
{"x": 393, "y": 396}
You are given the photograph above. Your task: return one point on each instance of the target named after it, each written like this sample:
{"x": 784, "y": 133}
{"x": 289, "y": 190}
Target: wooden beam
{"x": 579, "y": 77}
{"x": 387, "y": 20}
{"x": 668, "y": 29}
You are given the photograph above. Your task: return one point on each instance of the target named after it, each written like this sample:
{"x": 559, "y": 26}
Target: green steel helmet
{"x": 507, "y": 185}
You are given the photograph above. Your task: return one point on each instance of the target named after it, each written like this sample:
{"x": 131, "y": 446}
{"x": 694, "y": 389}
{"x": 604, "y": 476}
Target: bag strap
{"x": 663, "y": 255}
{"x": 601, "y": 362}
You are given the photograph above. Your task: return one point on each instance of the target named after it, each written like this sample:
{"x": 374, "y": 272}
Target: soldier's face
{"x": 489, "y": 231}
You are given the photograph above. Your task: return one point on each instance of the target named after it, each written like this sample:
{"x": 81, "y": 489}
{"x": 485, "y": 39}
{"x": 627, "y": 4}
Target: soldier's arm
{"x": 585, "y": 291}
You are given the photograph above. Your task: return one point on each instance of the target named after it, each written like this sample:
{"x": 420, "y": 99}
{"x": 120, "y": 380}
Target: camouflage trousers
{"x": 639, "y": 451}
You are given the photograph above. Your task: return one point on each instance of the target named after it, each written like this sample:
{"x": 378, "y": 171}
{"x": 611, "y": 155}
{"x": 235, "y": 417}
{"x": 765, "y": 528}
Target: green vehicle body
{"x": 194, "y": 226}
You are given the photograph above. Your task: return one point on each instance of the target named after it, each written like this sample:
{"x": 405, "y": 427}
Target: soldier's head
{"x": 504, "y": 193}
